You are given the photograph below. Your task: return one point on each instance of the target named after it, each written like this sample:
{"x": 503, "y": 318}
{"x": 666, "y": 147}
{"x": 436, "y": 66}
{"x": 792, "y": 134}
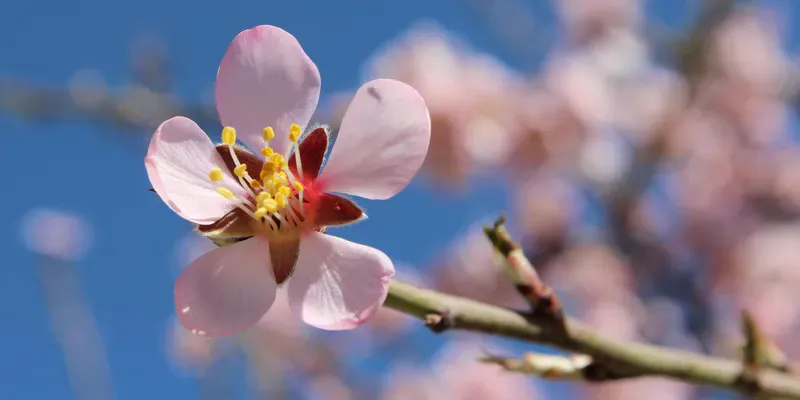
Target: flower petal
{"x": 382, "y": 141}
{"x": 283, "y": 252}
{"x": 330, "y": 209}
{"x": 338, "y": 284}
{"x": 178, "y": 162}
{"x": 253, "y": 161}
{"x": 226, "y": 290}
{"x": 312, "y": 153}
{"x": 234, "y": 226}
{"x": 266, "y": 79}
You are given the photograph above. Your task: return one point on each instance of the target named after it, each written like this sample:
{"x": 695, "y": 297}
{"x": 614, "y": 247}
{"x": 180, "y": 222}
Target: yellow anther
{"x": 267, "y": 152}
{"x": 298, "y": 186}
{"x": 269, "y": 133}
{"x": 285, "y": 191}
{"x": 240, "y": 170}
{"x": 283, "y": 175}
{"x": 215, "y": 175}
{"x": 229, "y": 135}
{"x": 255, "y": 184}
{"x": 294, "y": 132}
{"x": 268, "y": 168}
{"x": 278, "y": 160}
{"x": 260, "y": 213}
{"x": 266, "y": 180}
{"x": 270, "y": 205}
{"x": 225, "y": 193}
{"x": 262, "y": 196}
{"x": 280, "y": 199}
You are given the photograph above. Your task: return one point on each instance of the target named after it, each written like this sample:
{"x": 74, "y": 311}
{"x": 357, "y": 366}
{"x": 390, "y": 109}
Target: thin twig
{"x": 522, "y": 273}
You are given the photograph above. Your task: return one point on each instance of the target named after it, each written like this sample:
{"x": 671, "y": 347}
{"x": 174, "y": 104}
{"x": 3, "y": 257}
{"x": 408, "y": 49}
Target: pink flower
{"x": 274, "y": 211}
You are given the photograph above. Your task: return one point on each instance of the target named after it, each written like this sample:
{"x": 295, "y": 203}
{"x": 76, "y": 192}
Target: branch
{"x": 543, "y": 300}
{"x": 619, "y": 358}
{"x": 134, "y": 107}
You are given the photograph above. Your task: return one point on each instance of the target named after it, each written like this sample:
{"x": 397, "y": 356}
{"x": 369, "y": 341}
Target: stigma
{"x": 275, "y": 199}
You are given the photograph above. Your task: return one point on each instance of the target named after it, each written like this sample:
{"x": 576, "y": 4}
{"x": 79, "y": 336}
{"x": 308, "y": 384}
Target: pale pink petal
{"x": 382, "y": 141}
{"x": 226, "y": 290}
{"x": 178, "y": 162}
{"x": 338, "y": 284}
{"x": 266, "y": 79}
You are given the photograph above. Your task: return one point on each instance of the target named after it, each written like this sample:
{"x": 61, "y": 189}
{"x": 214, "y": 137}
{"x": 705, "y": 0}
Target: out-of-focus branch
{"x": 133, "y": 107}
{"x": 75, "y": 329}
{"x": 611, "y": 359}
{"x": 619, "y": 359}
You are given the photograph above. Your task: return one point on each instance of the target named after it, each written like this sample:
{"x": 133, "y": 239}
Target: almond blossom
{"x": 272, "y": 208}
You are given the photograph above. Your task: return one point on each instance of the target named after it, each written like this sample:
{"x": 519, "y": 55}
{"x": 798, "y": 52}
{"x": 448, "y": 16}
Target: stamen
{"x": 276, "y": 190}
{"x": 270, "y": 205}
{"x": 225, "y": 192}
{"x": 229, "y": 136}
{"x": 302, "y": 206}
{"x": 299, "y": 187}
{"x": 262, "y": 196}
{"x": 215, "y": 175}
{"x": 295, "y": 219}
{"x": 269, "y": 133}
{"x": 266, "y": 174}
{"x": 239, "y": 165}
{"x": 245, "y": 209}
{"x": 278, "y": 160}
{"x": 287, "y": 176}
{"x": 280, "y": 198}
{"x": 260, "y": 213}
{"x": 240, "y": 170}
{"x": 271, "y": 223}
{"x": 298, "y": 161}
{"x": 294, "y": 135}
{"x": 280, "y": 219}
{"x": 280, "y": 180}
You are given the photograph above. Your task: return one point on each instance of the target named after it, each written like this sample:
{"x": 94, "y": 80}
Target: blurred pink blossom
{"x": 546, "y": 204}
{"x": 471, "y": 269}
{"x": 58, "y": 234}
{"x": 330, "y": 387}
{"x": 471, "y": 97}
{"x": 766, "y": 276}
{"x": 746, "y": 48}
{"x": 586, "y": 19}
{"x": 642, "y": 388}
{"x": 456, "y": 374}
{"x": 187, "y": 351}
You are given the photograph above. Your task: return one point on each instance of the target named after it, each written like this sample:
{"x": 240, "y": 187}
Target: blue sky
{"x": 128, "y": 275}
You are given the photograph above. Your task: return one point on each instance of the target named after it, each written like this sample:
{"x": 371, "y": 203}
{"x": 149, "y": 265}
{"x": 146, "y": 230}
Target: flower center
{"x": 275, "y": 199}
